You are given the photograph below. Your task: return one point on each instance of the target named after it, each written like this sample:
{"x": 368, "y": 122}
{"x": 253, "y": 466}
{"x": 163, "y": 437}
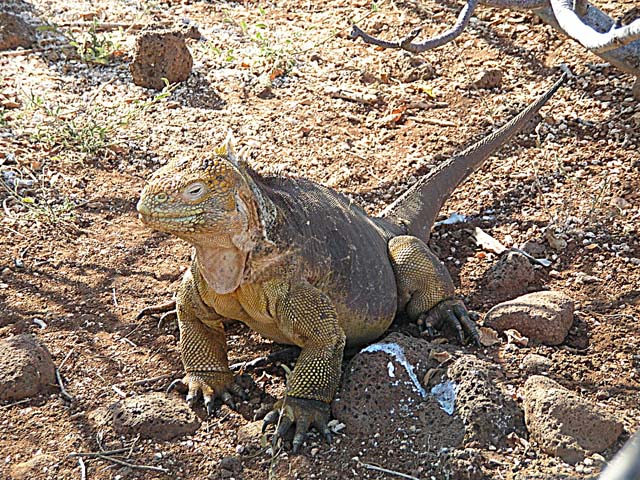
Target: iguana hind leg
{"x": 425, "y": 289}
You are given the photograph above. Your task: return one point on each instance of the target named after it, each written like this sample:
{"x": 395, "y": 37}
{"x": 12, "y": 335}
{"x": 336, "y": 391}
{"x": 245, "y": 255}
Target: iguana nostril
{"x": 142, "y": 208}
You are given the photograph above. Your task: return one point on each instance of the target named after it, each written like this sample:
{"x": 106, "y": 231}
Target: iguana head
{"x": 203, "y": 200}
{"x": 211, "y": 204}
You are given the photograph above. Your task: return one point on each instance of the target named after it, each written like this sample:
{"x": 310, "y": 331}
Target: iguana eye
{"x": 194, "y": 191}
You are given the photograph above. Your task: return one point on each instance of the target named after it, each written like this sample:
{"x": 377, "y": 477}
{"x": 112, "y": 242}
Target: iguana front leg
{"x": 203, "y": 349}
{"x": 425, "y": 289}
{"x": 308, "y": 317}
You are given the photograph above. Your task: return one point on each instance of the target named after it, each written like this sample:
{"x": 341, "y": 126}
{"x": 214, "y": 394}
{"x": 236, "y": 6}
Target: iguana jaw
{"x": 170, "y": 223}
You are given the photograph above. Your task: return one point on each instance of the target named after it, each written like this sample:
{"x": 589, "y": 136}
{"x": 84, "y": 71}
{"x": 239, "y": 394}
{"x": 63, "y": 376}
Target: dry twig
{"x": 64, "y": 393}
{"x": 107, "y": 456}
{"x": 434, "y": 42}
{"x": 19, "y": 402}
{"x": 369, "y": 466}
{"x": 83, "y": 469}
{"x": 144, "y": 381}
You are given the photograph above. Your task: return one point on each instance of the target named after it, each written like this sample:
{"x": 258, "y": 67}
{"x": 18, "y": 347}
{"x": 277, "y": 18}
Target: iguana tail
{"x": 417, "y": 208}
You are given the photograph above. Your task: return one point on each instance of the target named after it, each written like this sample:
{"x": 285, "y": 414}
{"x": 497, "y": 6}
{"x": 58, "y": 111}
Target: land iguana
{"x": 301, "y": 264}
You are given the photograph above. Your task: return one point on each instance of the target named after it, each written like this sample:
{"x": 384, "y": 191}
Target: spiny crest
{"x": 227, "y": 149}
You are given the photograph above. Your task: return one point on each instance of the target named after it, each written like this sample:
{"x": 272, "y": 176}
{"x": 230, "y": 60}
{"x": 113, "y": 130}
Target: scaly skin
{"x": 298, "y": 263}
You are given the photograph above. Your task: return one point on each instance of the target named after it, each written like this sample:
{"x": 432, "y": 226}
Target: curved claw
{"x": 454, "y": 313}
{"x": 208, "y": 405}
{"x": 165, "y": 308}
{"x": 304, "y": 413}
{"x": 270, "y": 418}
{"x": 178, "y": 385}
{"x": 171, "y": 315}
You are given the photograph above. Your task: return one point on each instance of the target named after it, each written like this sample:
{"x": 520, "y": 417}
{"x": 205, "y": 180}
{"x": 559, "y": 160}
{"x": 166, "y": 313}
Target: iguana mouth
{"x": 147, "y": 215}
{"x": 156, "y": 216}
{"x": 168, "y": 220}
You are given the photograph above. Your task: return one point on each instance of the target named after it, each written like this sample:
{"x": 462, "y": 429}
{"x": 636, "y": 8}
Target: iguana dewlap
{"x": 301, "y": 264}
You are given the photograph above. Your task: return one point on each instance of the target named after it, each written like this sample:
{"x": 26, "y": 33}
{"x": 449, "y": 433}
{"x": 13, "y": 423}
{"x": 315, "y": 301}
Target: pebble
{"x": 154, "y": 415}
{"x": 534, "y": 363}
{"x": 563, "y": 423}
{"x": 543, "y": 317}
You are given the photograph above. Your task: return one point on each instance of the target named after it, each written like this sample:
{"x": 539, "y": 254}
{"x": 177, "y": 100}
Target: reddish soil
{"x": 74, "y": 256}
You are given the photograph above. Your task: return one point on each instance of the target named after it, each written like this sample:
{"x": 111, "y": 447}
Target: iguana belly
{"x": 250, "y": 304}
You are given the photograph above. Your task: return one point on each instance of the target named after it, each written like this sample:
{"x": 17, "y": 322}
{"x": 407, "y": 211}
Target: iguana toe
{"x": 270, "y": 418}
{"x": 453, "y": 312}
{"x": 211, "y": 385}
{"x": 167, "y": 309}
{"x": 304, "y": 413}
{"x": 171, "y": 316}
{"x": 228, "y": 399}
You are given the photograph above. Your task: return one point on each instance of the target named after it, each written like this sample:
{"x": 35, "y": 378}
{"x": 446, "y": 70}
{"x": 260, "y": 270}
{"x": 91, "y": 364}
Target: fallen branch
{"x": 585, "y": 23}
{"x": 434, "y": 42}
{"x": 591, "y": 39}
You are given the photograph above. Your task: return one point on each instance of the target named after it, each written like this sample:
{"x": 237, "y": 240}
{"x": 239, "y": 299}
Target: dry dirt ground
{"x": 74, "y": 256}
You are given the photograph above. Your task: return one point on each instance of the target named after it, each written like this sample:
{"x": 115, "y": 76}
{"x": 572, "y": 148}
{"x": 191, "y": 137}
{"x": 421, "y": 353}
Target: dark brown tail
{"x": 417, "y": 208}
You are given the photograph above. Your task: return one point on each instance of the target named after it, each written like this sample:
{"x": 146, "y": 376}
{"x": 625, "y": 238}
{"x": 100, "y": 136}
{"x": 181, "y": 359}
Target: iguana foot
{"x": 212, "y": 385}
{"x": 168, "y": 311}
{"x": 454, "y": 312}
{"x": 304, "y": 413}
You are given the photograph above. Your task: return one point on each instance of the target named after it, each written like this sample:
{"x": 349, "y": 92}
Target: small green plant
{"x": 97, "y": 48}
{"x": 227, "y": 55}
{"x": 276, "y": 56}
{"x": 88, "y": 131}
{"x": 39, "y": 205}
{"x": 84, "y": 133}
{"x": 142, "y": 106}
